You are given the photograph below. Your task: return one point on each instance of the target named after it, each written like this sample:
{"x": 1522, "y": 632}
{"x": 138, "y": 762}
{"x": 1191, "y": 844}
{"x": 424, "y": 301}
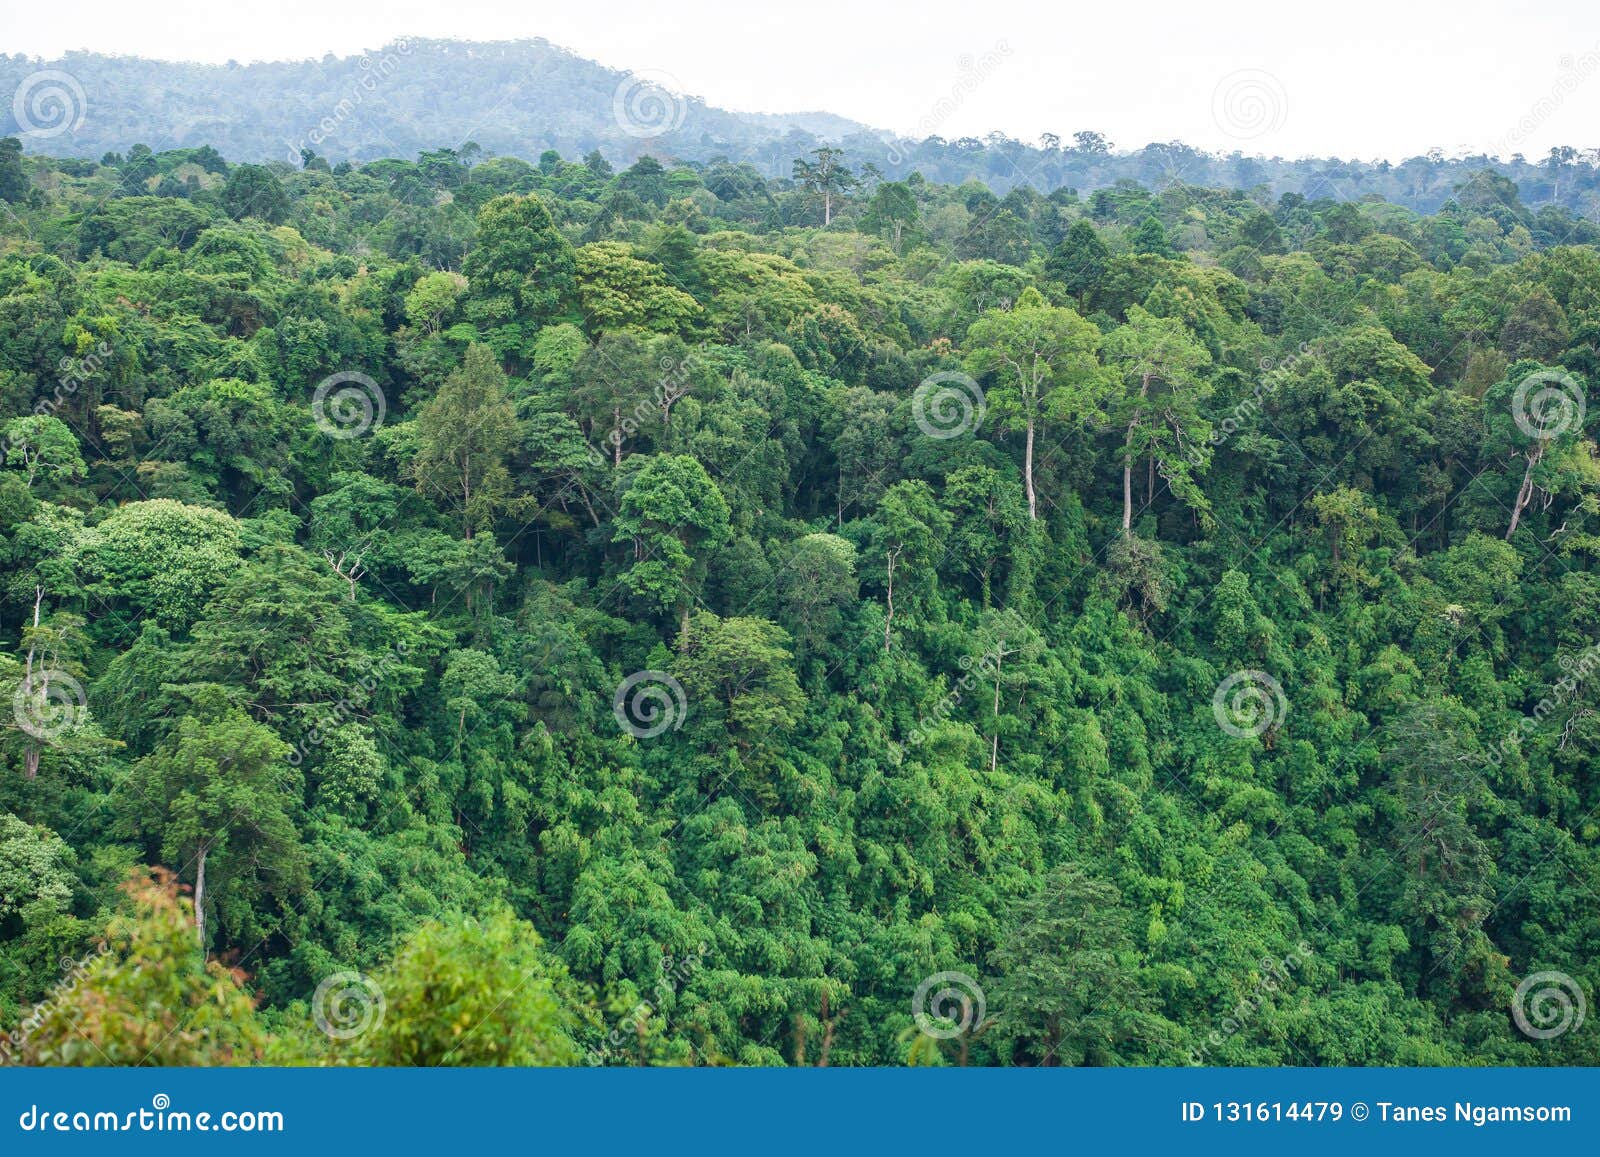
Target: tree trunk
{"x": 994, "y": 740}
{"x": 1127, "y": 463}
{"x": 1127, "y": 484}
{"x": 31, "y": 756}
{"x": 1525, "y": 491}
{"x": 889, "y": 618}
{"x": 200, "y": 896}
{"x": 1027, "y": 475}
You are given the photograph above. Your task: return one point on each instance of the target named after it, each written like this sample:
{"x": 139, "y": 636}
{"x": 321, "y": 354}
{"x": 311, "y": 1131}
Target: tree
{"x": 214, "y": 798}
{"x": 1079, "y": 262}
{"x": 1537, "y": 414}
{"x": 39, "y": 445}
{"x": 825, "y": 177}
{"x": 1160, "y": 358}
{"x": 815, "y": 586}
{"x": 520, "y": 272}
{"x": 1448, "y": 888}
{"x": 464, "y": 435}
{"x": 255, "y": 191}
{"x": 13, "y": 179}
{"x": 464, "y": 992}
{"x": 1044, "y": 359}
{"x": 1069, "y": 990}
{"x": 161, "y": 557}
{"x": 673, "y": 517}
{"x": 904, "y": 538}
{"x": 432, "y": 298}
{"x": 147, "y": 998}
{"x": 737, "y": 674}
{"x": 617, "y": 290}
{"x": 892, "y": 212}
{"x": 35, "y": 869}
{"x": 1150, "y": 237}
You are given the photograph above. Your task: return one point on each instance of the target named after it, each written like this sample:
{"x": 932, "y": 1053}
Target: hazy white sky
{"x": 1354, "y": 78}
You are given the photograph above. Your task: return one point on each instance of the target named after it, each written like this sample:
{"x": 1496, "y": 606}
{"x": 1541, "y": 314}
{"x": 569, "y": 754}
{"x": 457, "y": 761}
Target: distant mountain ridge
{"x": 523, "y": 97}
{"x": 513, "y": 97}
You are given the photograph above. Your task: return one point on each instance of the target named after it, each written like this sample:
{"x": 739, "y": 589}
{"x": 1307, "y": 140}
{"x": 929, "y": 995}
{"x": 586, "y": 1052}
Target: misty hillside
{"x": 520, "y": 98}
{"x": 514, "y": 98}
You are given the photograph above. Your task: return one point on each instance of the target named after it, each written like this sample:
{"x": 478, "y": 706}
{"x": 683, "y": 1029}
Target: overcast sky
{"x": 1352, "y": 78}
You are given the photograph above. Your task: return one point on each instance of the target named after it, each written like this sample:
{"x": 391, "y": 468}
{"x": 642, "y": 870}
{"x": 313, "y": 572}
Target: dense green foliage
{"x": 620, "y": 618}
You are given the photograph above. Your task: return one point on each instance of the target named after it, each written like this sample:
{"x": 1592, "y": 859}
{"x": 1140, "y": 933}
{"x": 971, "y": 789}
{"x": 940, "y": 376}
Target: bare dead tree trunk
{"x": 31, "y": 754}
{"x": 200, "y": 896}
{"x": 1525, "y": 492}
{"x": 1027, "y": 475}
{"x": 889, "y": 619}
{"x": 1127, "y": 483}
{"x": 1127, "y": 463}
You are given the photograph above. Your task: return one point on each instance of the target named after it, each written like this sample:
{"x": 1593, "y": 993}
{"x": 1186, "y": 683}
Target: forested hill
{"x": 519, "y": 98}
{"x": 465, "y": 611}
